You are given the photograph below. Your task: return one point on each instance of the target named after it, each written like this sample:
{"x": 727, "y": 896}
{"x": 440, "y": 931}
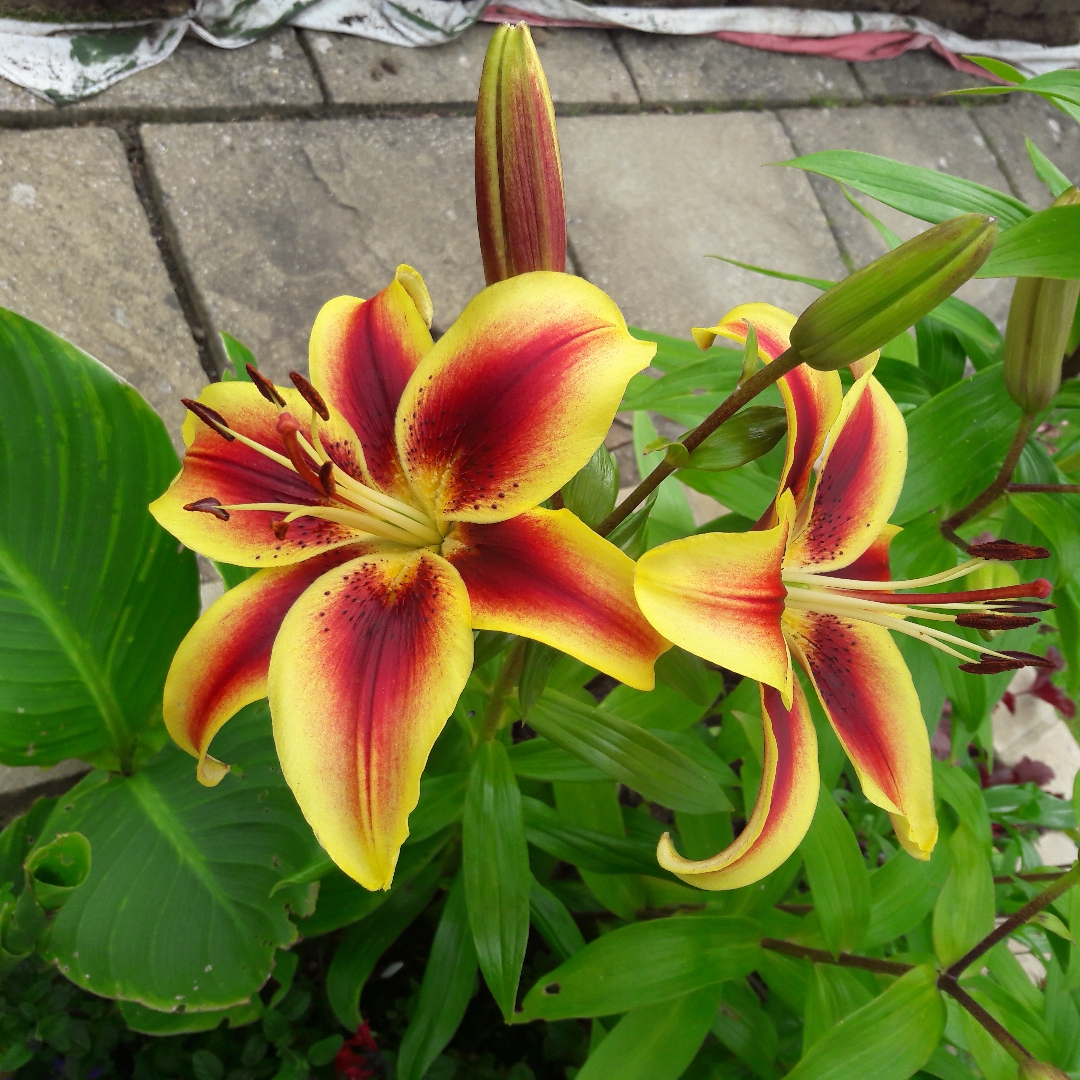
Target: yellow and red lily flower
{"x": 810, "y": 586}
{"x": 393, "y": 504}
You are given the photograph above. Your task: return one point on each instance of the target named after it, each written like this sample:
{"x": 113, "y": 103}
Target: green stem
{"x": 508, "y": 677}
{"x": 759, "y": 381}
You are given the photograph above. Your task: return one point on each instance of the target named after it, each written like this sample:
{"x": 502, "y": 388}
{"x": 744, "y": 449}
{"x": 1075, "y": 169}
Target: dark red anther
{"x": 1028, "y": 659}
{"x": 979, "y": 620}
{"x": 326, "y": 478}
{"x": 310, "y": 394}
{"x": 209, "y": 505}
{"x": 281, "y": 529}
{"x": 210, "y": 418}
{"x": 1007, "y": 551}
{"x": 264, "y": 386}
{"x": 991, "y": 666}
{"x": 287, "y": 427}
{"x": 1018, "y": 606}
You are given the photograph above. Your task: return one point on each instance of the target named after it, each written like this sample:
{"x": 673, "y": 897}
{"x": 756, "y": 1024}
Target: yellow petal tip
{"x": 703, "y": 336}
{"x": 210, "y": 772}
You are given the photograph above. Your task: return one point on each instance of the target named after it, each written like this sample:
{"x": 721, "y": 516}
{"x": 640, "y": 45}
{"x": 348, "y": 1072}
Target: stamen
{"x": 353, "y": 519}
{"x": 209, "y": 505}
{"x": 992, "y": 621}
{"x": 990, "y": 667}
{"x": 280, "y": 529}
{"x": 310, "y": 394}
{"x": 287, "y": 427}
{"x": 264, "y": 386}
{"x": 1018, "y": 605}
{"x": 802, "y": 577}
{"x": 1030, "y": 659}
{"x": 211, "y": 419}
{"x": 326, "y": 478}
{"x": 1007, "y": 551}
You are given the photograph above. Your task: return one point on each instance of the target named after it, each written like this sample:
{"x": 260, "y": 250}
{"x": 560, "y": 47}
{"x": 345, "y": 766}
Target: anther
{"x": 1027, "y": 659}
{"x": 310, "y": 394}
{"x": 209, "y": 505}
{"x": 1007, "y": 551}
{"x": 326, "y": 478}
{"x": 1022, "y": 606}
{"x": 991, "y": 621}
{"x": 992, "y": 666}
{"x": 287, "y": 427}
{"x": 281, "y": 529}
{"x": 265, "y": 386}
{"x": 210, "y": 418}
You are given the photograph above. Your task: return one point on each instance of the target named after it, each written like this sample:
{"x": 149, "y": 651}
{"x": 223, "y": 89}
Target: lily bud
{"x": 868, "y": 309}
{"x": 1040, "y": 318}
{"x": 520, "y": 211}
{"x": 1030, "y": 1069}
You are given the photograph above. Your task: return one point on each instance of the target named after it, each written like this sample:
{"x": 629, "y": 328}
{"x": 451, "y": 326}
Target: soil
{"x": 93, "y": 11}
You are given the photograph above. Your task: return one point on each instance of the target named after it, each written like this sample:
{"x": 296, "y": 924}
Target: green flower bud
{"x": 1040, "y": 317}
{"x": 1030, "y": 1069}
{"x": 875, "y": 304}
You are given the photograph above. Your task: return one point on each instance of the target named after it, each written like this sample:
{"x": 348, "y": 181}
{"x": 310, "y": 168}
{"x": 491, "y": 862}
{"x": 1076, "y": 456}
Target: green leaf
{"x": 536, "y": 666}
{"x": 1046, "y": 245}
{"x": 239, "y": 356}
{"x": 629, "y": 535}
{"x": 94, "y": 595}
{"x": 592, "y": 491}
{"x": 903, "y": 893}
{"x": 888, "y": 1039}
{"x": 442, "y": 801}
{"x": 964, "y": 912}
{"x": 151, "y": 1022}
{"x": 837, "y": 876}
{"x": 627, "y": 753}
{"x": 359, "y": 950}
{"x": 671, "y": 353}
{"x": 747, "y": 491}
{"x": 689, "y": 675}
{"x": 958, "y": 434}
{"x": 495, "y": 865}
{"x": 324, "y": 1051}
{"x": 554, "y": 922}
{"x": 745, "y": 437}
{"x": 657, "y": 1042}
{"x": 539, "y": 759}
{"x": 923, "y": 193}
{"x": 182, "y": 874}
{"x": 979, "y": 336}
{"x": 1058, "y": 517}
{"x": 231, "y": 575}
{"x": 744, "y": 1027}
{"x": 964, "y": 795}
{"x": 834, "y": 994}
{"x": 670, "y": 517}
{"x": 817, "y": 283}
{"x": 661, "y": 707}
{"x": 57, "y": 868}
{"x": 1005, "y": 72}
{"x": 644, "y": 964}
{"x": 1047, "y": 171}
{"x": 449, "y": 981}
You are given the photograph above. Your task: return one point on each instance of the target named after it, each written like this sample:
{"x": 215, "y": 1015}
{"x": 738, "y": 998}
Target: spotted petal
{"x": 221, "y": 664}
{"x": 867, "y": 692}
{"x": 547, "y": 575}
{"x": 368, "y": 665}
{"x": 783, "y": 810}
{"x": 361, "y": 355}
{"x": 720, "y": 595}
{"x": 516, "y": 397}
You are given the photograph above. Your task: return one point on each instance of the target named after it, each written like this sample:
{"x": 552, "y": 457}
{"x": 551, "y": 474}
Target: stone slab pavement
{"x": 239, "y": 190}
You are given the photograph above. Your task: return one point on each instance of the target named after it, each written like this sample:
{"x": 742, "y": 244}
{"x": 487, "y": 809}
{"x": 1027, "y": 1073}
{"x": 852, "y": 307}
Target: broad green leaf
{"x": 177, "y": 909}
{"x": 656, "y": 1042}
{"x": 692, "y": 744}
{"x": 941, "y": 356}
{"x": 1058, "y": 517}
{"x": 54, "y": 870}
{"x": 670, "y": 517}
{"x": 495, "y": 865}
{"x": 627, "y": 753}
{"x": 703, "y": 835}
{"x": 1027, "y": 1025}
{"x": 787, "y": 978}
{"x": 151, "y": 1022}
{"x": 690, "y": 676}
{"x": 964, "y": 795}
{"x": 964, "y": 912}
{"x": 958, "y": 434}
{"x": 992, "y": 1058}
{"x": 662, "y": 707}
{"x": 979, "y": 336}
{"x": 923, "y": 193}
{"x": 888, "y": 1039}
{"x": 1046, "y": 170}
{"x": 903, "y": 893}
{"x": 834, "y": 993}
{"x": 554, "y": 922}
{"x": 671, "y": 353}
{"x": 360, "y": 948}
{"x": 1046, "y": 245}
{"x": 592, "y": 491}
{"x": 442, "y": 800}
{"x": 449, "y": 980}
{"x": 540, "y": 759}
{"x": 743, "y": 1026}
{"x": 837, "y": 875}
{"x": 94, "y": 595}
{"x": 643, "y": 964}
{"x": 536, "y": 666}
{"x": 745, "y": 437}
{"x": 947, "y": 1066}
{"x": 906, "y": 384}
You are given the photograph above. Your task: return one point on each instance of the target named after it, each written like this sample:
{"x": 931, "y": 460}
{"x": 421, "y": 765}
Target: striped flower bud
{"x": 1040, "y": 317}
{"x": 1030, "y": 1069}
{"x": 875, "y": 304}
{"x": 520, "y": 211}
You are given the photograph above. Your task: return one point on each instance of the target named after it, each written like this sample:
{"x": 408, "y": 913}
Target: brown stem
{"x": 820, "y": 956}
{"x": 1016, "y": 1049}
{"x": 995, "y": 490}
{"x": 508, "y": 677}
{"x": 1032, "y": 907}
{"x": 759, "y": 381}
{"x": 1062, "y": 489}
{"x": 1050, "y": 876}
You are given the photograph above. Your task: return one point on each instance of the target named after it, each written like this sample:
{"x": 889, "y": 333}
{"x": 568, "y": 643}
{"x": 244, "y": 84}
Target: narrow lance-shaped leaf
{"x": 964, "y": 913}
{"x": 554, "y": 922}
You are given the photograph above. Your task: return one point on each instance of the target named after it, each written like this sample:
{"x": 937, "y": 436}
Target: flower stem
{"x": 1055, "y": 489}
{"x": 996, "y": 489}
{"x": 820, "y": 956}
{"x": 1016, "y": 1049}
{"x": 508, "y": 677}
{"x": 759, "y": 381}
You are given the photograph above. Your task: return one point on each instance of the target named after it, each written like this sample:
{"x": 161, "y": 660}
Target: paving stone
{"x": 944, "y": 139}
{"x": 704, "y": 71}
{"x": 648, "y": 197}
{"x": 913, "y": 76}
{"x": 19, "y": 787}
{"x": 76, "y": 255}
{"x": 1026, "y": 115}
{"x": 582, "y": 67}
{"x": 274, "y": 219}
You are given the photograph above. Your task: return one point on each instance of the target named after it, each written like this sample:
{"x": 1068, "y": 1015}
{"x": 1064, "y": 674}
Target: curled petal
{"x": 782, "y": 812}
{"x": 361, "y": 355}
{"x": 547, "y": 575}
{"x": 221, "y": 664}
{"x": 368, "y": 665}
{"x": 232, "y": 473}
{"x": 720, "y": 595}
{"x": 867, "y": 692}
{"x": 516, "y": 396}
{"x": 773, "y": 326}
{"x": 861, "y": 477}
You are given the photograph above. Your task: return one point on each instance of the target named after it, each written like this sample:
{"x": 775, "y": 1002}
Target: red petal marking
{"x": 546, "y": 575}
{"x": 873, "y": 563}
{"x": 368, "y": 665}
{"x": 813, "y": 398}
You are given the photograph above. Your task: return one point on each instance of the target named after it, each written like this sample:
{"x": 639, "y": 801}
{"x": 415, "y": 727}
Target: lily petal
{"x": 221, "y": 664}
{"x": 782, "y": 812}
{"x": 773, "y": 326}
{"x": 548, "y": 576}
{"x": 368, "y": 665}
{"x": 867, "y": 692}
{"x": 233, "y": 473}
{"x": 361, "y": 355}
{"x": 719, "y": 595}
{"x": 873, "y": 563}
{"x": 516, "y": 396}
{"x": 861, "y": 477}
